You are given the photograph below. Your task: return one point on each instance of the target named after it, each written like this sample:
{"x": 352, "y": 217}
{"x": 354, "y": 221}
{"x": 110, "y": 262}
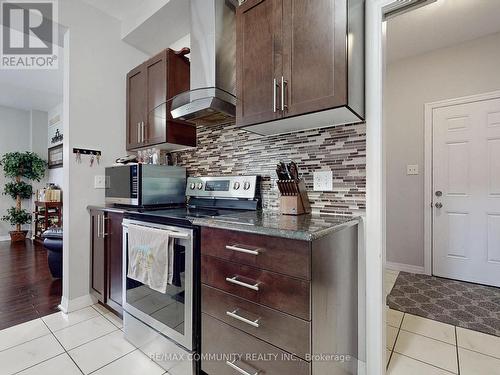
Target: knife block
{"x": 293, "y": 199}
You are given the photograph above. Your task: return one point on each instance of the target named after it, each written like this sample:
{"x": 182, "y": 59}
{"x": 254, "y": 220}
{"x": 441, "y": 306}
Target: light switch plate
{"x": 323, "y": 181}
{"x": 100, "y": 182}
{"x": 412, "y": 169}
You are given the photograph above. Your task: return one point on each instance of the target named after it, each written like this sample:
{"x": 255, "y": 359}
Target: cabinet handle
{"x": 233, "y": 314}
{"x": 98, "y": 217}
{"x": 142, "y": 132}
{"x": 239, "y": 369}
{"x": 138, "y": 132}
{"x": 242, "y": 250}
{"x": 275, "y": 95}
{"x": 104, "y": 234}
{"x": 234, "y": 280}
{"x": 284, "y": 83}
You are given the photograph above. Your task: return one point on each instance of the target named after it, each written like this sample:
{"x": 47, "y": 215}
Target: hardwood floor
{"x": 27, "y": 290}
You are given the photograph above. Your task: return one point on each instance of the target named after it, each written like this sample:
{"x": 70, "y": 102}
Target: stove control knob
{"x": 246, "y": 185}
{"x": 192, "y": 185}
{"x": 200, "y": 185}
{"x": 236, "y": 185}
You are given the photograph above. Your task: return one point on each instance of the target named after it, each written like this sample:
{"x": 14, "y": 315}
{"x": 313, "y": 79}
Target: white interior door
{"x": 466, "y": 183}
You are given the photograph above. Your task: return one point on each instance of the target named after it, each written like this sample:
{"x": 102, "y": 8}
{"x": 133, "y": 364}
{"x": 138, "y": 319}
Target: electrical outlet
{"x": 323, "y": 181}
{"x": 412, "y": 169}
{"x": 100, "y": 182}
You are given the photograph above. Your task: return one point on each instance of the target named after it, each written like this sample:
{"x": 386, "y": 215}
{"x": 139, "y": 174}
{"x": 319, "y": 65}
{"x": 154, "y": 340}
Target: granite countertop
{"x": 304, "y": 227}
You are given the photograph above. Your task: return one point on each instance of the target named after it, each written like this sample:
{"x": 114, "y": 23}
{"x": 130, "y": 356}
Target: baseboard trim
{"x": 74, "y": 304}
{"x": 405, "y": 267}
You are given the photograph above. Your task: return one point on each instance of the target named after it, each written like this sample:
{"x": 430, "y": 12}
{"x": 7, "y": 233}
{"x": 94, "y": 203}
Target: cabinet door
{"x": 259, "y": 61}
{"x": 136, "y": 106}
{"x": 97, "y": 256}
{"x": 114, "y": 254}
{"x": 157, "y": 114}
{"x": 314, "y": 55}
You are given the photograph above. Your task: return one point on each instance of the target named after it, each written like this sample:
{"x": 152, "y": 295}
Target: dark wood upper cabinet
{"x": 136, "y": 106}
{"x": 259, "y": 60}
{"x": 149, "y": 87}
{"x": 299, "y": 58}
{"x": 315, "y": 66}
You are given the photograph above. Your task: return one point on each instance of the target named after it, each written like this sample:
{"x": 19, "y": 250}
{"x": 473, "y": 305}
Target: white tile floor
{"x": 90, "y": 341}
{"x": 87, "y": 341}
{"x": 417, "y": 345}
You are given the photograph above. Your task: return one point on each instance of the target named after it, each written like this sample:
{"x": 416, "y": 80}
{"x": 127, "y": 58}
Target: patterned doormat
{"x": 462, "y": 304}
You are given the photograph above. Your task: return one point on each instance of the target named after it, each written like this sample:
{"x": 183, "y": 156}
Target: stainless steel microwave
{"x": 143, "y": 185}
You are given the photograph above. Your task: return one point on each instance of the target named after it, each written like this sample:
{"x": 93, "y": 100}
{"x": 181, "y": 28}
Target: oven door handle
{"x": 234, "y": 280}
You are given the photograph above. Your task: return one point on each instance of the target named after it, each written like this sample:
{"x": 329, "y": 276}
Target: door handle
{"x": 234, "y": 280}
{"x": 284, "y": 84}
{"x": 438, "y": 205}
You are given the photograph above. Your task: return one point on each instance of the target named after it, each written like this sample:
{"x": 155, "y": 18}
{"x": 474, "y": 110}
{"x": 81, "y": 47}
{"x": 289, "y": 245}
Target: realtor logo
{"x": 29, "y": 34}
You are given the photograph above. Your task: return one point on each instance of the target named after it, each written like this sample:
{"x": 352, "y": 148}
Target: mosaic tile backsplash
{"x": 227, "y": 150}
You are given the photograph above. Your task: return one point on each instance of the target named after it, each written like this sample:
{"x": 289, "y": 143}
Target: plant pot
{"x": 18, "y": 236}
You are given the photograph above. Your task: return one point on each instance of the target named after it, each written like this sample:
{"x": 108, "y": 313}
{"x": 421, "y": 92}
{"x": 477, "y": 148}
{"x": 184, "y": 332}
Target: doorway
{"x": 463, "y": 187}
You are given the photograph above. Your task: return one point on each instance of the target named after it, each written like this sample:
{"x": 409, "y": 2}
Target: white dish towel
{"x": 150, "y": 257}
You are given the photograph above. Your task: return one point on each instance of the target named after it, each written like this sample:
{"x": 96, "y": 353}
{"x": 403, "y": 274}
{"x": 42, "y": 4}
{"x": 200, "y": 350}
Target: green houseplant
{"x": 18, "y": 166}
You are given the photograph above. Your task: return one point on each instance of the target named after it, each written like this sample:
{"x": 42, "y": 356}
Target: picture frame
{"x": 55, "y": 157}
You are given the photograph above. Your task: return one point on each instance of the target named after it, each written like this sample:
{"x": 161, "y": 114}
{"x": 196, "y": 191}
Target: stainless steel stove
{"x": 166, "y": 326}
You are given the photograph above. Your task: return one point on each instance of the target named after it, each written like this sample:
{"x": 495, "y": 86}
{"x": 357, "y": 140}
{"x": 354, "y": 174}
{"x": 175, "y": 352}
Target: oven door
{"x": 171, "y": 314}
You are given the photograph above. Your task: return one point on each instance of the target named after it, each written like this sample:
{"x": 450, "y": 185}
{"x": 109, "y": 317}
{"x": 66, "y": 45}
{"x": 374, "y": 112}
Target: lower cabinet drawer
{"x": 270, "y": 289}
{"x": 282, "y": 330}
{"x": 229, "y": 351}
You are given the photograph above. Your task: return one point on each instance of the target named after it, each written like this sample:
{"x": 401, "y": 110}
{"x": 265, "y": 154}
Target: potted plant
{"x": 19, "y": 165}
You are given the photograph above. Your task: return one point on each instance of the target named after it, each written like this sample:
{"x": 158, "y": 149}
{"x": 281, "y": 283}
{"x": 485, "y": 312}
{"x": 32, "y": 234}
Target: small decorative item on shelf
{"x": 49, "y": 194}
{"x": 293, "y": 199}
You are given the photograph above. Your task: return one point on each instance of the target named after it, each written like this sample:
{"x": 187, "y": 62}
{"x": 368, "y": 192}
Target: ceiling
{"x": 439, "y": 25}
{"x": 120, "y": 9}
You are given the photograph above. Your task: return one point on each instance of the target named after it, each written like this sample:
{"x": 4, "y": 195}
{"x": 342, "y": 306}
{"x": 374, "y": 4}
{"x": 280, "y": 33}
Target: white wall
{"x": 55, "y": 176}
{"x": 466, "y": 69}
{"x": 95, "y": 99}
{"x": 15, "y": 135}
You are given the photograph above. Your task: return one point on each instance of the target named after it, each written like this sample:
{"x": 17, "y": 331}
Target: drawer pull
{"x": 240, "y": 370}
{"x": 234, "y": 280}
{"x": 233, "y": 314}
{"x": 242, "y": 250}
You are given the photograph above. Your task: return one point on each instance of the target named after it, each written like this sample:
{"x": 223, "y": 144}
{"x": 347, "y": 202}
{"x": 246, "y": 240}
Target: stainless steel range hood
{"x": 211, "y": 99}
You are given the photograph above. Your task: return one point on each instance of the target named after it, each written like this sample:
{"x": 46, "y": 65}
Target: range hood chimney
{"x": 211, "y": 99}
